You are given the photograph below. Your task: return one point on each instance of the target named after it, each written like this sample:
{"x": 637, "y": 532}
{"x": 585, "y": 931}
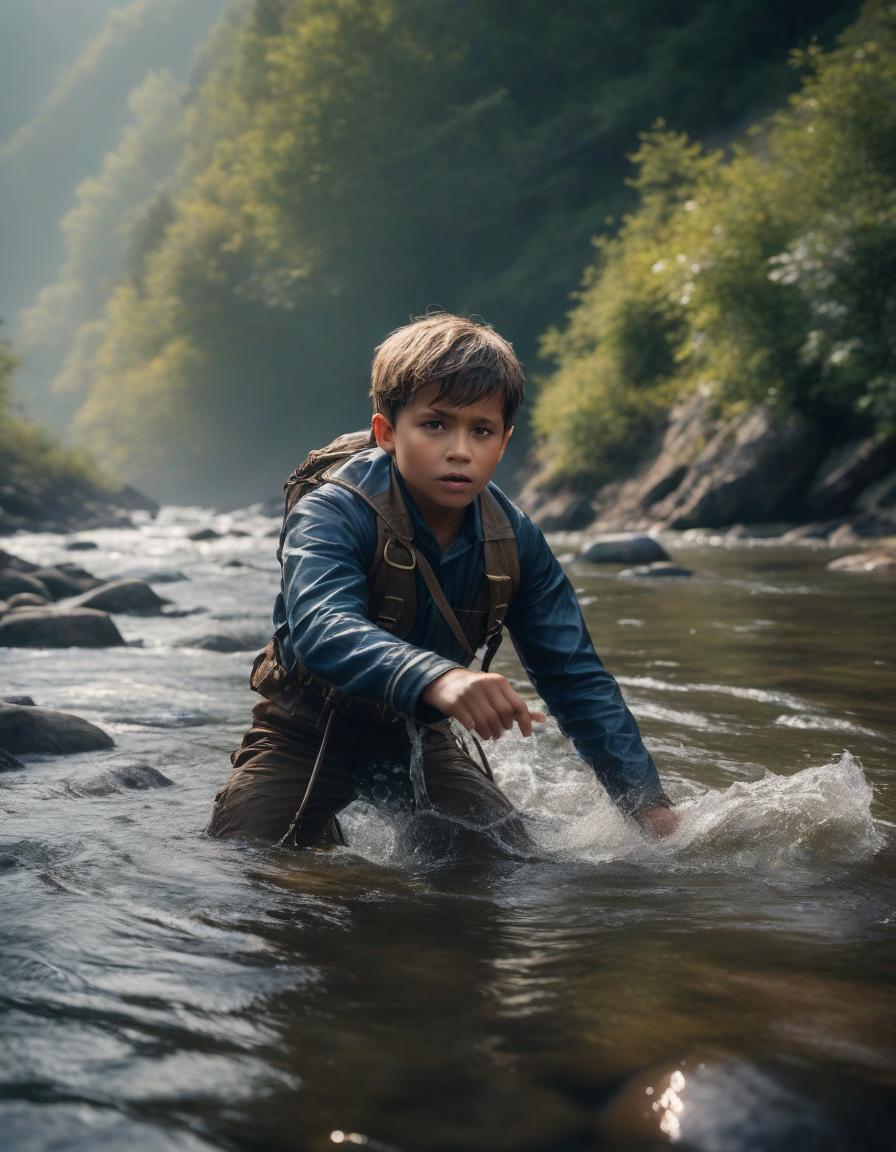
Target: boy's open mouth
{"x": 455, "y": 480}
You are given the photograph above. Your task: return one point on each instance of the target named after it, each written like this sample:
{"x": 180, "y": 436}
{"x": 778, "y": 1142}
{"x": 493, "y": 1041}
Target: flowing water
{"x": 728, "y": 989}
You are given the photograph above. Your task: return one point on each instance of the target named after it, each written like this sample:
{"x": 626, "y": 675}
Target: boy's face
{"x": 446, "y": 455}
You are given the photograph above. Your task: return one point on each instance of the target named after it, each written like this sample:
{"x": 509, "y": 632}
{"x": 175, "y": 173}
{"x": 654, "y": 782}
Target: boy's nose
{"x": 459, "y": 450}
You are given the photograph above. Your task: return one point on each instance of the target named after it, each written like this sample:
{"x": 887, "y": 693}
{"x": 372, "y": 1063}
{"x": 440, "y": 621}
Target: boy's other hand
{"x": 660, "y": 821}
{"x": 484, "y": 702}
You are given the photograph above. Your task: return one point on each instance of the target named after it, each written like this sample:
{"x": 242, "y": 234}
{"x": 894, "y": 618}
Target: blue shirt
{"x": 321, "y": 622}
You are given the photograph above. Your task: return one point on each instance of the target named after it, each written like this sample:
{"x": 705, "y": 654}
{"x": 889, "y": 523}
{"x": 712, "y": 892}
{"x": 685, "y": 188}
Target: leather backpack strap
{"x": 393, "y": 588}
{"x": 392, "y": 602}
{"x": 502, "y": 570}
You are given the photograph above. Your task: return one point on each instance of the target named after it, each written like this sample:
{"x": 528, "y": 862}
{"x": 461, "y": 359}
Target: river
{"x": 729, "y": 989}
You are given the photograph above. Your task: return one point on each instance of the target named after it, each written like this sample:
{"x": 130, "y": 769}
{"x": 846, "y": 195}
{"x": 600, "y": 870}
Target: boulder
{"x": 846, "y": 473}
{"x": 204, "y": 534}
{"x": 58, "y": 628}
{"x": 125, "y": 597}
{"x": 15, "y": 563}
{"x": 623, "y": 548}
{"x": 219, "y": 642}
{"x": 13, "y": 582}
{"x": 807, "y": 532}
{"x": 26, "y": 600}
{"x": 8, "y": 762}
{"x": 753, "y": 470}
{"x": 879, "y": 562}
{"x": 80, "y": 545}
{"x": 844, "y": 537}
{"x": 25, "y": 701}
{"x": 652, "y": 571}
{"x": 34, "y": 731}
{"x": 61, "y": 583}
{"x": 154, "y": 575}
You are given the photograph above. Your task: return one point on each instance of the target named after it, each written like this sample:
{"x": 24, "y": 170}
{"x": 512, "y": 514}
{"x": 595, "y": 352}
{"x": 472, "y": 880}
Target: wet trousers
{"x": 454, "y": 806}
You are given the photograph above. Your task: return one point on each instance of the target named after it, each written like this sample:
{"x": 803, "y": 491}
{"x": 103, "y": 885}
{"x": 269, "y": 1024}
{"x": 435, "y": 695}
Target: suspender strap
{"x": 502, "y": 570}
{"x": 393, "y": 586}
{"x": 394, "y": 590}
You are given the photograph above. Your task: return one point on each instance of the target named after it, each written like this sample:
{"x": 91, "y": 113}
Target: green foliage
{"x": 29, "y": 453}
{"x": 767, "y": 274}
{"x": 343, "y": 164}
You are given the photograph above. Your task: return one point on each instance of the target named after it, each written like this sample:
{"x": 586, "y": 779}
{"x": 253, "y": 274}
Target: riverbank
{"x": 64, "y": 501}
{"x": 755, "y": 473}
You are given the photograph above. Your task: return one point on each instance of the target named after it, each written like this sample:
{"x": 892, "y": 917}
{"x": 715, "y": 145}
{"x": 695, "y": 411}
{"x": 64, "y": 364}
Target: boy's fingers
{"x": 486, "y": 723}
{"x": 465, "y": 718}
{"x": 522, "y": 718}
{"x": 505, "y": 707}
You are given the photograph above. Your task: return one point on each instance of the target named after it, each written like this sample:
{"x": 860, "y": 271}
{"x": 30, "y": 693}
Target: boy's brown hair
{"x": 466, "y": 358}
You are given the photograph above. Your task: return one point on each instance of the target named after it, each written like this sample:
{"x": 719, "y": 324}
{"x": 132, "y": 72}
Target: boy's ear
{"x": 507, "y": 436}
{"x": 384, "y": 432}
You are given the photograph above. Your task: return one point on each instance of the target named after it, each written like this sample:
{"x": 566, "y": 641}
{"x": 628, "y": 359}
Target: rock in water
{"x": 8, "y": 762}
{"x": 14, "y": 583}
{"x": 80, "y": 546}
{"x": 220, "y": 642}
{"x": 53, "y": 628}
{"x": 137, "y": 777}
{"x": 881, "y": 562}
{"x": 25, "y": 701}
{"x": 25, "y": 731}
{"x": 652, "y": 571}
{"x": 623, "y": 548}
{"x": 204, "y": 534}
{"x": 16, "y": 563}
{"x": 127, "y": 597}
{"x": 64, "y": 581}
{"x": 26, "y": 600}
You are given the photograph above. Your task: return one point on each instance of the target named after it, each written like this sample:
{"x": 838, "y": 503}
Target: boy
{"x": 397, "y": 564}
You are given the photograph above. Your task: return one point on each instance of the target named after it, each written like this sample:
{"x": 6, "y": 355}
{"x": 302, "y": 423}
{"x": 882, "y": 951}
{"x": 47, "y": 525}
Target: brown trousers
{"x": 455, "y": 808}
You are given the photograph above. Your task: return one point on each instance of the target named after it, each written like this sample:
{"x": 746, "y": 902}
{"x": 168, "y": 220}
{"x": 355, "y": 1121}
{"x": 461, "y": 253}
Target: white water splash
{"x": 819, "y": 815}
{"x": 418, "y": 780}
{"x": 816, "y": 817}
{"x": 815, "y": 723}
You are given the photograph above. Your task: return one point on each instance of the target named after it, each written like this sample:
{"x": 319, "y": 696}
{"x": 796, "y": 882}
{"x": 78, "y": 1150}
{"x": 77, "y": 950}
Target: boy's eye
{"x": 431, "y": 424}
{"x": 483, "y": 432}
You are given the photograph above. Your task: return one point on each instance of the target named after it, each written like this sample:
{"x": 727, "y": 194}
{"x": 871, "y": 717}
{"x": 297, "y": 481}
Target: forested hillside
{"x": 763, "y": 276}
{"x": 342, "y": 164}
{"x": 45, "y": 487}
{"x": 66, "y": 69}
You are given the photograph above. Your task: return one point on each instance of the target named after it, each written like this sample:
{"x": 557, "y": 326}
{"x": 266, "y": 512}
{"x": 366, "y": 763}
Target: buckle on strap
{"x": 395, "y": 563}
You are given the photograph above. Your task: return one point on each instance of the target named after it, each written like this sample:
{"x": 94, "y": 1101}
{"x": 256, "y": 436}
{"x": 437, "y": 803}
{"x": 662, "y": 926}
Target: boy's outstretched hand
{"x": 483, "y": 702}
{"x": 660, "y": 821}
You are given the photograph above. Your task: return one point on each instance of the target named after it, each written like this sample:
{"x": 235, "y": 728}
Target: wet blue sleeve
{"x": 326, "y": 556}
{"x": 551, "y": 638}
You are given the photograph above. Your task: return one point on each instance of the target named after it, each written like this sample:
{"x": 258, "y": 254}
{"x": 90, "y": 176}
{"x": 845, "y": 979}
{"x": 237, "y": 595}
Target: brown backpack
{"x": 392, "y": 602}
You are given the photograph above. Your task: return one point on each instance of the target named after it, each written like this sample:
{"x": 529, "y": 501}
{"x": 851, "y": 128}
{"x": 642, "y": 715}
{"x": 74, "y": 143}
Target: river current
{"x": 728, "y": 989}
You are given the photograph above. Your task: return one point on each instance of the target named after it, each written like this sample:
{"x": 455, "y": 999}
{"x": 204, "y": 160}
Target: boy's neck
{"x": 444, "y": 523}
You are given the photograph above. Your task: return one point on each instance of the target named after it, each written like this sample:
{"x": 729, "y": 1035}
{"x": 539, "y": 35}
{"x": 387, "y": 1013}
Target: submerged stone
{"x": 28, "y": 730}
{"x": 55, "y": 628}
{"x": 15, "y": 583}
{"x": 623, "y": 548}
{"x": 8, "y": 762}
{"x": 654, "y": 571}
{"x": 127, "y": 597}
